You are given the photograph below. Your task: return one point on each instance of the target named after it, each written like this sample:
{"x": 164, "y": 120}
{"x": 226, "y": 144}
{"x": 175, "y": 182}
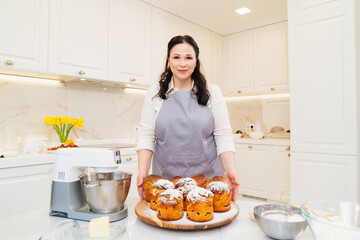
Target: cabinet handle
{"x": 81, "y": 72}
{"x": 129, "y": 159}
{"x": 132, "y": 79}
{"x": 250, "y": 147}
{"x": 288, "y": 154}
{"x": 9, "y": 62}
{"x": 272, "y": 89}
{"x": 288, "y": 148}
{"x": 239, "y": 91}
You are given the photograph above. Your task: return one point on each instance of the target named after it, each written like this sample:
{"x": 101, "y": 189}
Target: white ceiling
{"x": 220, "y": 16}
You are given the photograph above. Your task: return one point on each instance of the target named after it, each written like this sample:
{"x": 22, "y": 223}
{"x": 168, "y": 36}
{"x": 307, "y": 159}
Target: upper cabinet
{"x": 24, "y": 34}
{"x": 129, "y": 42}
{"x": 78, "y": 38}
{"x": 255, "y": 61}
{"x": 270, "y": 58}
{"x": 238, "y": 64}
{"x": 164, "y": 27}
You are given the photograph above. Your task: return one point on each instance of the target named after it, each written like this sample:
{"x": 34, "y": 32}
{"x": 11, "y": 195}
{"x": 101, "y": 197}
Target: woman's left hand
{"x": 233, "y": 178}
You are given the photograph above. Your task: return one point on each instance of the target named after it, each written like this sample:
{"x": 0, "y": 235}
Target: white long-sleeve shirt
{"x": 222, "y": 130}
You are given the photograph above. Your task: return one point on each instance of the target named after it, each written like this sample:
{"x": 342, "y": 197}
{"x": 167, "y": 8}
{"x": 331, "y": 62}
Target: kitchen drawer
{"x": 24, "y": 188}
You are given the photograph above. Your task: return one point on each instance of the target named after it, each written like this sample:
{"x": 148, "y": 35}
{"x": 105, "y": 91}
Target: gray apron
{"x": 185, "y": 144}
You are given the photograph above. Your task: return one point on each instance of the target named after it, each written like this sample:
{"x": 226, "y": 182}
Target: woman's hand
{"x": 144, "y": 161}
{"x": 229, "y": 164}
{"x": 233, "y": 178}
{"x": 141, "y": 186}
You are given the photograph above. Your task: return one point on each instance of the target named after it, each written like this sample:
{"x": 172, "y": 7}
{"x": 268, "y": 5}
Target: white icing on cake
{"x": 163, "y": 184}
{"x": 186, "y": 188}
{"x": 171, "y": 194}
{"x": 218, "y": 186}
{"x": 198, "y": 194}
{"x": 186, "y": 182}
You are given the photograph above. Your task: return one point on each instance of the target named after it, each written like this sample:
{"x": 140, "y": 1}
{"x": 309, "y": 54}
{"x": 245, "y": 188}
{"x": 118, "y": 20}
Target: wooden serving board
{"x": 146, "y": 214}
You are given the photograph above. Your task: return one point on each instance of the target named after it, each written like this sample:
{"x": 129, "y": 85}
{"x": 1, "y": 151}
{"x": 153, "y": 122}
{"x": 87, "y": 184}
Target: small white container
{"x": 256, "y": 135}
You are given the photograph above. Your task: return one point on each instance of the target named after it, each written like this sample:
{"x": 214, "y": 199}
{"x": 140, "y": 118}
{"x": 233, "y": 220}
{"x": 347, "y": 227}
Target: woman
{"x": 185, "y": 123}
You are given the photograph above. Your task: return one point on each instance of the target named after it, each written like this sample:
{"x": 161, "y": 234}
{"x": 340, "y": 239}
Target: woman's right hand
{"x": 144, "y": 161}
{"x": 141, "y": 186}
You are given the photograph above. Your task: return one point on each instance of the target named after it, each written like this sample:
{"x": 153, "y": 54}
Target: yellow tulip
{"x": 65, "y": 120}
{"x": 63, "y": 125}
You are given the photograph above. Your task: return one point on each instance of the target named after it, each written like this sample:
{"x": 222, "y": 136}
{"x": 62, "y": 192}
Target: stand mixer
{"x": 74, "y": 193}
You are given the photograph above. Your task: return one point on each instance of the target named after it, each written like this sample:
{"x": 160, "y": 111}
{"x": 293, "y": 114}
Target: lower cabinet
{"x": 264, "y": 171}
{"x": 24, "y": 188}
{"x": 323, "y": 176}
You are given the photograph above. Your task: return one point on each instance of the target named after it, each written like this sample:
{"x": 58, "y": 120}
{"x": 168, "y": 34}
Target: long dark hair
{"x": 202, "y": 92}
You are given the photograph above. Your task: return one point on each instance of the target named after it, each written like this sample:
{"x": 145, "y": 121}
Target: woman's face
{"x": 182, "y": 61}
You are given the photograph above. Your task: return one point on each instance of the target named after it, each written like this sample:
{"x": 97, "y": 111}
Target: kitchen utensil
{"x": 277, "y": 129}
{"x": 330, "y": 220}
{"x": 11, "y": 141}
{"x": 256, "y": 135}
{"x": 82, "y": 233}
{"x": 33, "y": 144}
{"x": 105, "y": 192}
{"x": 279, "y": 221}
{"x": 68, "y": 199}
{"x": 148, "y": 215}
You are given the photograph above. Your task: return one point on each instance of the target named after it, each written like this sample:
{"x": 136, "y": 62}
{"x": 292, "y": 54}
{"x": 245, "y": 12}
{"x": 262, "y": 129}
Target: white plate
{"x": 82, "y": 233}
{"x": 8, "y": 154}
{"x": 51, "y": 151}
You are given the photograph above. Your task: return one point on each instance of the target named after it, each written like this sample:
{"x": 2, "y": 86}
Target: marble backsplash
{"x": 108, "y": 114}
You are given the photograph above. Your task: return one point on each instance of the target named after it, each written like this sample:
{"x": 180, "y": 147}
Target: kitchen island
{"x": 34, "y": 223}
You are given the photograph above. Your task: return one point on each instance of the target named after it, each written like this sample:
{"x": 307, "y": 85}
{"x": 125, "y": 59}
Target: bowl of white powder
{"x": 280, "y": 221}
{"x": 330, "y": 220}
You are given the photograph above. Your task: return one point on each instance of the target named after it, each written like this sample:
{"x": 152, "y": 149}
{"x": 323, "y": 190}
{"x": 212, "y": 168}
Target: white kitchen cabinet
{"x": 264, "y": 171}
{"x": 324, "y": 106}
{"x": 238, "y": 64}
{"x": 129, "y": 42}
{"x": 164, "y": 27}
{"x": 214, "y": 72}
{"x": 24, "y": 188}
{"x": 270, "y": 58}
{"x": 279, "y": 173}
{"x": 323, "y": 89}
{"x": 130, "y": 164}
{"x": 78, "y": 38}
{"x": 255, "y": 61}
{"x": 252, "y": 166}
{"x": 24, "y": 35}
{"x": 299, "y": 8}
{"x": 323, "y": 176}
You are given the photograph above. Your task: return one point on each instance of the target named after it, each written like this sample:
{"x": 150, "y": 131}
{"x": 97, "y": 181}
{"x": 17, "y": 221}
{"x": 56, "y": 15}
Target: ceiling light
{"x": 82, "y": 79}
{"x": 242, "y": 10}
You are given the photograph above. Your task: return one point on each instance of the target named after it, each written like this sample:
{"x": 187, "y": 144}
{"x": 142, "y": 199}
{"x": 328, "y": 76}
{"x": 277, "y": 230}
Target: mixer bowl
{"x": 105, "y": 192}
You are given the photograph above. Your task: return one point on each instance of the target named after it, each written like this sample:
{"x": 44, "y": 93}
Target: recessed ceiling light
{"x": 82, "y": 79}
{"x": 242, "y": 10}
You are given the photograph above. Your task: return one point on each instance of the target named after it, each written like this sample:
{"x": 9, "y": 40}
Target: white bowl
{"x": 256, "y": 135}
{"x": 333, "y": 220}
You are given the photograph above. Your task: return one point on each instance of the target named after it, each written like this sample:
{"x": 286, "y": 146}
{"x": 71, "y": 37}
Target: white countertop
{"x": 32, "y": 224}
{"x": 263, "y": 141}
{"x": 47, "y": 158}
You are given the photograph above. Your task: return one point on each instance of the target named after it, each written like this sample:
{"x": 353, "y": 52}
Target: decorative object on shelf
{"x": 63, "y": 125}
